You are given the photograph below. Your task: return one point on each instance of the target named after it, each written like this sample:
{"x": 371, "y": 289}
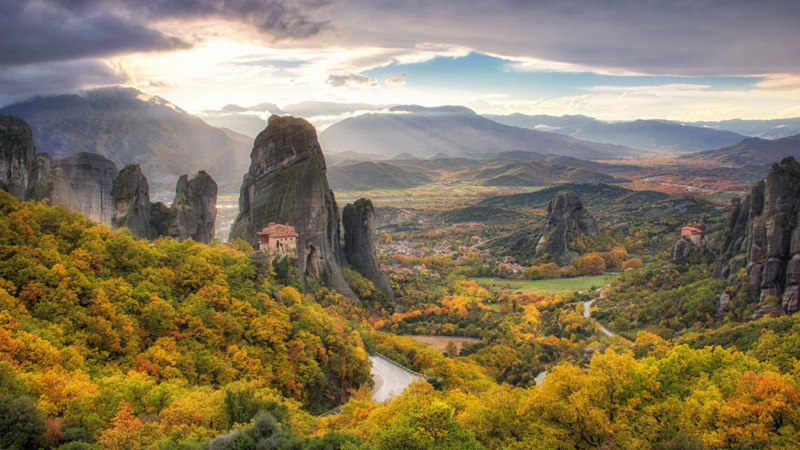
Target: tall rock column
{"x": 566, "y": 219}
{"x": 764, "y": 234}
{"x": 359, "y": 243}
{"x": 194, "y": 210}
{"x": 287, "y": 183}
{"x": 131, "y": 195}
{"x": 16, "y": 155}
{"x": 83, "y": 182}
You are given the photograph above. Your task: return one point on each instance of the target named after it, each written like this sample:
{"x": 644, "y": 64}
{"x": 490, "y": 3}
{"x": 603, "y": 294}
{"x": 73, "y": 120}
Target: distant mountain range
{"x": 505, "y": 169}
{"x": 765, "y": 129}
{"x": 251, "y": 120}
{"x": 452, "y": 130}
{"x": 655, "y": 135}
{"x": 128, "y": 126}
{"x": 750, "y": 152}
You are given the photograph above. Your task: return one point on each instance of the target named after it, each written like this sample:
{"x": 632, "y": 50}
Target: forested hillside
{"x": 98, "y": 328}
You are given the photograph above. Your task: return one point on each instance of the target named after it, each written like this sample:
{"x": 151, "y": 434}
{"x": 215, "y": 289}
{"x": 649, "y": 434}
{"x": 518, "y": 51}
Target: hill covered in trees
{"x": 98, "y": 328}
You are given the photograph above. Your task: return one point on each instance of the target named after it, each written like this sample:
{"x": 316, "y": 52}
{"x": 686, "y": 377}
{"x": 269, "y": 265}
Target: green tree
{"x": 22, "y": 426}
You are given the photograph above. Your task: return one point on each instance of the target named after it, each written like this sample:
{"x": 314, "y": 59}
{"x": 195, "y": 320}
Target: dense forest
{"x": 111, "y": 342}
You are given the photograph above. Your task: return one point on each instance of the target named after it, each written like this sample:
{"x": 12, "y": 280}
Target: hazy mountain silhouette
{"x": 451, "y": 130}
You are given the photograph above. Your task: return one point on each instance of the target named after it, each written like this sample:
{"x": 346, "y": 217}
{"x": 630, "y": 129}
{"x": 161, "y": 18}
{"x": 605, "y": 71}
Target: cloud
{"x": 351, "y": 79}
{"x": 682, "y": 37}
{"x": 61, "y": 30}
{"x": 19, "y": 83}
{"x": 395, "y": 79}
{"x": 34, "y": 32}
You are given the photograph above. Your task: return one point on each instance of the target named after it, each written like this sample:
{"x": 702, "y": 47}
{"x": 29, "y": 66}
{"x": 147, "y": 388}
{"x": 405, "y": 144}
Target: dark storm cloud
{"x": 680, "y": 37}
{"x": 280, "y": 19}
{"x": 60, "y": 30}
{"x": 46, "y": 46}
{"x": 32, "y": 32}
{"x": 25, "y": 81}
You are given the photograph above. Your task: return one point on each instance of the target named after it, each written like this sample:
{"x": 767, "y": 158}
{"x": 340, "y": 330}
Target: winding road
{"x": 587, "y": 313}
{"x": 390, "y": 379}
{"x": 587, "y": 306}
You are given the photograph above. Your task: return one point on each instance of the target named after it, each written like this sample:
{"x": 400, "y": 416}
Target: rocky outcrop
{"x": 763, "y": 238}
{"x": 566, "y": 219}
{"x": 358, "y": 220}
{"x": 82, "y": 182}
{"x": 194, "y": 210}
{"x": 16, "y": 155}
{"x": 38, "y": 177}
{"x": 287, "y": 183}
{"x": 681, "y": 248}
{"x": 131, "y": 195}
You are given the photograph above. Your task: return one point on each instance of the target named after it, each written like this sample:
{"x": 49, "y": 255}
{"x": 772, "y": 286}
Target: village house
{"x": 695, "y": 235}
{"x": 277, "y": 239}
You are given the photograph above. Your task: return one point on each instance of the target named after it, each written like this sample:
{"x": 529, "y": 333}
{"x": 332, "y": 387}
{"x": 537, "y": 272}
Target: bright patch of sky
{"x": 480, "y": 73}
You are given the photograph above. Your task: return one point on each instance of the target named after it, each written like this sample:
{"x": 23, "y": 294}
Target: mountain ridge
{"x": 128, "y": 126}
{"x": 423, "y": 131}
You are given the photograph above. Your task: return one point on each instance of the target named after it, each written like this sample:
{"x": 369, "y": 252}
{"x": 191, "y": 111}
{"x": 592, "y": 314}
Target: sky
{"x": 684, "y": 60}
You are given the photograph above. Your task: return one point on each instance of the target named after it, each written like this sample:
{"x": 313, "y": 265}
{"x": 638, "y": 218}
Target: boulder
{"x": 287, "y": 183}
{"x": 132, "y": 208}
{"x": 16, "y": 155}
{"x": 359, "y": 243}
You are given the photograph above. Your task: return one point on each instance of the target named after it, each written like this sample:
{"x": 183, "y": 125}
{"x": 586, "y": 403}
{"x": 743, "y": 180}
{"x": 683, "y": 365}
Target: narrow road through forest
{"x": 587, "y": 307}
{"x": 587, "y": 313}
{"x": 390, "y": 379}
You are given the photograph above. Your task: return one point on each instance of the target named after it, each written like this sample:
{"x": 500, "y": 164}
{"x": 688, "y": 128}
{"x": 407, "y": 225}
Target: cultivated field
{"x": 439, "y": 343}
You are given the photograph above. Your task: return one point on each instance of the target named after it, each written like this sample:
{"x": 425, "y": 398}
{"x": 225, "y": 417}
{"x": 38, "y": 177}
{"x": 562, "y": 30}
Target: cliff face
{"x": 83, "y": 182}
{"x": 131, "y": 195}
{"x": 16, "y": 155}
{"x": 358, "y": 220}
{"x": 287, "y": 183}
{"x": 194, "y": 210}
{"x": 763, "y": 238}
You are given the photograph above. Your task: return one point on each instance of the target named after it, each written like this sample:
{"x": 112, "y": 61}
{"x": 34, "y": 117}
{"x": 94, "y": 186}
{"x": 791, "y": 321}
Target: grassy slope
{"x": 557, "y": 286}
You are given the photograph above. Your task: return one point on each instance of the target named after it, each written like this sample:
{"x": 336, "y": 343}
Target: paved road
{"x": 588, "y": 314}
{"x": 390, "y": 380}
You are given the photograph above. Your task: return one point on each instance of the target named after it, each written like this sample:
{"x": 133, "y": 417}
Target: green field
{"x": 552, "y": 287}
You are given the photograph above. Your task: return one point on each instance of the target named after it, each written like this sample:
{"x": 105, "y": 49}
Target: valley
{"x": 474, "y": 287}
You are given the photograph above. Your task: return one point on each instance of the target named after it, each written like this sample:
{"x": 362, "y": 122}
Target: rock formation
{"x": 763, "y": 238}
{"x": 131, "y": 195}
{"x": 16, "y": 155}
{"x": 566, "y": 219}
{"x": 194, "y": 210}
{"x": 287, "y": 183}
{"x": 358, "y": 220}
{"x": 38, "y": 177}
{"x": 80, "y": 182}
{"x": 681, "y": 248}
